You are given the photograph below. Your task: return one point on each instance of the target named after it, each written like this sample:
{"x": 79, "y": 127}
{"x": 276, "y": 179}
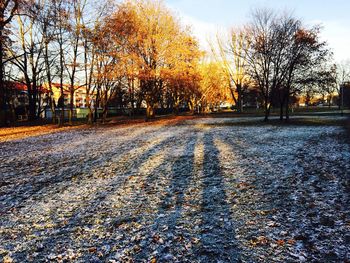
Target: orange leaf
{"x": 280, "y": 242}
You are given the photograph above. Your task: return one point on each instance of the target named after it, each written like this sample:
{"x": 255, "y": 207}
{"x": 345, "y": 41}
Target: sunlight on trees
{"x": 280, "y": 50}
{"x": 232, "y": 56}
{"x": 214, "y": 85}
{"x": 162, "y": 54}
{"x": 136, "y": 54}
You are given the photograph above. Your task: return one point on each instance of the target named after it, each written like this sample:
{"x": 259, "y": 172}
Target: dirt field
{"x": 200, "y": 190}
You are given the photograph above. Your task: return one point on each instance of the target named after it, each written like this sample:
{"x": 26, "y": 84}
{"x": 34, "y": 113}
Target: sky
{"x": 206, "y": 17}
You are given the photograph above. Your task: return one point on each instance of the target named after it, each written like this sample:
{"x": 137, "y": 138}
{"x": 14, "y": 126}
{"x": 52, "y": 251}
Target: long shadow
{"x": 218, "y": 241}
{"x": 45, "y": 183}
{"x": 85, "y": 212}
{"x": 181, "y": 176}
{"x": 170, "y": 209}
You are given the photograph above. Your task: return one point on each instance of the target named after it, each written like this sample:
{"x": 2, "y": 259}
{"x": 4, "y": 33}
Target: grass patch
{"x": 295, "y": 121}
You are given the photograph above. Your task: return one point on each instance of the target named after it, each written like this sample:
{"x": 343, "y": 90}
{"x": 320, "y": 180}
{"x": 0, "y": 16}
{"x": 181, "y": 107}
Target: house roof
{"x": 15, "y": 85}
{"x": 44, "y": 88}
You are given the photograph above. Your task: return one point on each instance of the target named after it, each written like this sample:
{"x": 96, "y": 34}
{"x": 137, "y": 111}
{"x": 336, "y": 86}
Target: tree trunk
{"x": 2, "y": 85}
{"x": 177, "y": 106}
{"x": 90, "y": 116}
{"x": 287, "y": 108}
{"x": 53, "y": 108}
{"x": 191, "y": 106}
{"x": 267, "y": 110}
{"x": 104, "y": 114}
{"x": 39, "y": 108}
{"x": 330, "y": 101}
{"x": 71, "y": 106}
{"x": 233, "y": 97}
{"x": 150, "y": 112}
{"x": 96, "y": 105}
{"x": 281, "y": 111}
{"x": 90, "y": 113}
{"x": 31, "y": 87}
{"x": 61, "y": 122}
{"x": 132, "y": 95}
{"x": 239, "y": 99}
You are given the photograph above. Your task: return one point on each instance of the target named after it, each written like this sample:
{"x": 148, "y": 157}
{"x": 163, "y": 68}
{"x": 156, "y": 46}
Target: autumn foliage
{"x": 158, "y": 57}
{"x": 136, "y": 54}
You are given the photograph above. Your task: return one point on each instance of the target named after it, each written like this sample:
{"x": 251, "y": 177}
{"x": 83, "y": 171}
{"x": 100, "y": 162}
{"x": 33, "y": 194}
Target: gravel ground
{"x": 204, "y": 190}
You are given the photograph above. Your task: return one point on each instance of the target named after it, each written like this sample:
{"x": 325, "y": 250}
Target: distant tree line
{"x": 137, "y": 53}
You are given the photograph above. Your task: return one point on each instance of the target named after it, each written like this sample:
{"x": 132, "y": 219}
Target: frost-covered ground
{"x": 204, "y": 190}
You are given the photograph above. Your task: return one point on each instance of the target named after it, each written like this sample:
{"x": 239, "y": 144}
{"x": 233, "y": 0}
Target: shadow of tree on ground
{"x": 217, "y": 230}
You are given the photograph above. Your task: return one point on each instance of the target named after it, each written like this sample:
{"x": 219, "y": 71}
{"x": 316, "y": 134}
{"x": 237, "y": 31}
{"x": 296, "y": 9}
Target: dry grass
{"x": 17, "y": 133}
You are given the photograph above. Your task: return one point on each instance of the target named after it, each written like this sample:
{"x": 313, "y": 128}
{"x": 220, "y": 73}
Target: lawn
{"x": 185, "y": 190}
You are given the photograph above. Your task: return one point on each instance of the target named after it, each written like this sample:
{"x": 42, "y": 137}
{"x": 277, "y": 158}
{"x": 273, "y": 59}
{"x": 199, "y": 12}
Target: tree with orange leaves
{"x": 214, "y": 87}
{"x": 182, "y": 76}
{"x": 150, "y": 38}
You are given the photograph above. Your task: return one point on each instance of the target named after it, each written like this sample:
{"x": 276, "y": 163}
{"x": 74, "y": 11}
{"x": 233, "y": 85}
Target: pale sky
{"x": 206, "y": 17}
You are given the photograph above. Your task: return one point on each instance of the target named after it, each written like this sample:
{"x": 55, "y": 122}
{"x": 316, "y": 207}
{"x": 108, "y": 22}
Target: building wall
{"x": 345, "y": 95}
{"x": 79, "y": 95}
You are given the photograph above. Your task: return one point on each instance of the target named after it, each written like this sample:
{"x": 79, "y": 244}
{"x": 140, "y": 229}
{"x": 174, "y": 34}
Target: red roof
{"x": 21, "y": 86}
{"x": 15, "y": 85}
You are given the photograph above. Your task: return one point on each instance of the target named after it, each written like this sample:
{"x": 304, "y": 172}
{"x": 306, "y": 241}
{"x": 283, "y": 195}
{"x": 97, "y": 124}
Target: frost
{"x": 202, "y": 191}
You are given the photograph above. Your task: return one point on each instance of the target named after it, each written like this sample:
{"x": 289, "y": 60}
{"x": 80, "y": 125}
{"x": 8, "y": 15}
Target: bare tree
{"x": 8, "y": 9}
{"x": 279, "y": 51}
{"x": 97, "y": 60}
{"x": 28, "y": 55}
{"x": 232, "y": 55}
{"x": 305, "y": 52}
{"x": 72, "y": 66}
{"x": 342, "y": 71}
{"x": 261, "y": 56}
{"x": 61, "y": 14}
{"x": 89, "y": 67}
{"x": 50, "y": 55}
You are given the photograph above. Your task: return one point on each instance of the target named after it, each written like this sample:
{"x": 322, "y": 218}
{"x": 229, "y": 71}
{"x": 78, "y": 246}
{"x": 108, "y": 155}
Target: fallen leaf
{"x": 92, "y": 249}
{"x": 280, "y": 242}
{"x": 7, "y": 259}
{"x": 291, "y": 241}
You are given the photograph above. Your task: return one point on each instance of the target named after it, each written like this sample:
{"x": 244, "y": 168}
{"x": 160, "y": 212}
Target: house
{"x": 19, "y": 100}
{"x": 79, "y": 100}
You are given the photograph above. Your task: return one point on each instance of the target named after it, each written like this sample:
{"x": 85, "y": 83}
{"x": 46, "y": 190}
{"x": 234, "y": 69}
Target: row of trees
{"x": 138, "y": 52}
{"x": 281, "y": 58}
